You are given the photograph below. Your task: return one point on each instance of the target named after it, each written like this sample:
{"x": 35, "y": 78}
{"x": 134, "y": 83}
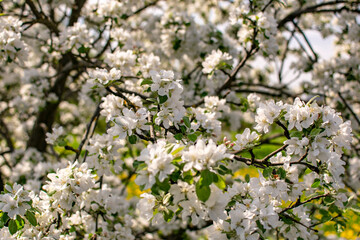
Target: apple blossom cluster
{"x": 15, "y": 201}
{"x": 103, "y": 76}
{"x": 169, "y": 93}
{"x": 51, "y": 138}
{"x": 16, "y": 204}
{"x": 12, "y": 47}
{"x": 157, "y": 162}
{"x": 66, "y": 184}
{"x": 177, "y": 120}
{"x": 103, "y": 155}
{"x": 254, "y": 207}
{"x": 214, "y": 61}
{"x": 244, "y": 140}
{"x": 75, "y": 38}
{"x": 243, "y": 13}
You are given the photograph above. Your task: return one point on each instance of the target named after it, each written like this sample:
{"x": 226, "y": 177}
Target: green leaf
{"x": 31, "y": 218}
{"x": 192, "y": 137}
{"x": 170, "y": 148}
{"x": 206, "y": 178}
{"x": 151, "y": 100}
{"x": 296, "y": 134}
{"x": 164, "y": 186}
{"x": 163, "y": 99}
{"x": 334, "y": 209}
{"x": 260, "y": 226}
{"x": 329, "y": 200}
{"x": 83, "y": 49}
{"x": 312, "y": 99}
{"x": 202, "y": 192}
{"x": 175, "y": 176}
{"x": 188, "y": 177}
{"x": 219, "y": 182}
{"x": 316, "y": 183}
{"x": 139, "y": 165}
{"x": 12, "y": 227}
{"x": 326, "y": 216}
{"x": 282, "y": 173}
{"x": 176, "y": 43}
{"x": 355, "y": 209}
{"x": 132, "y": 139}
{"x": 146, "y": 81}
{"x": 267, "y": 172}
{"x": 316, "y": 131}
{"x": 286, "y": 220}
{"x": 178, "y": 136}
{"x": 183, "y": 128}
{"x": 225, "y": 169}
{"x": 247, "y": 178}
{"x": 187, "y": 121}
{"x": 61, "y": 143}
{"x": 168, "y": 215}
{"x": 20, "y": 222}
{"x": 5, "y": 217}
{"x": 179, "y": 149}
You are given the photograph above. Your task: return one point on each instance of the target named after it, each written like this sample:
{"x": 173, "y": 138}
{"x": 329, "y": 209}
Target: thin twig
{"x": 350, "y": 109}
{"x": 91, "y": 124}
{"x": 286, "y": 131}
{"x": 299, "y": 203}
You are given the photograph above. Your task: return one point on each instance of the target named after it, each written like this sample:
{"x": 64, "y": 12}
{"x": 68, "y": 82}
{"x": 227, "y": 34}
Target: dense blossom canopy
{"x": 159, "y": 119}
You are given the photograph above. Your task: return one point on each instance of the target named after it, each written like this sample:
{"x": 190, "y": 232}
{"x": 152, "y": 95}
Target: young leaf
{"x": 178, "y": 136}
{"x": 168, "y": 215}
{"x": 206, "y": 178}
{"x": 247, "y": 178}
{"x": 12, "y": 226}
{"x": 202, "y": 192}
{"x": 220, "y": 182}
{"x": 192, "y": 137}
{"x": 132, "y": 139}
{"x": 187, "y": 122}
{"x": 297, "y": 134}
{"x": 163, "y": 99}
{"x": 146, "y": 81}
{"x": 31, "y": 218}
{"x": 316, "y": 183}
{"x": 179, "y": 149}
{"x": 282, "y": 173}
{"x": 267, "y": 172}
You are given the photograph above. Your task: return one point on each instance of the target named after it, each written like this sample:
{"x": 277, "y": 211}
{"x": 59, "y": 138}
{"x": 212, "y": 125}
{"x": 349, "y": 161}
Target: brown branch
{"x": 46, "y": 116}
{"x": 263, "y": 163}
{"x": 265, "y": 159}
{"x": 297, "y": 13}
{"x": 70, "y": 148}
{"x": 286, "y": 131}
{"x": 287, "y": 47}
{"x": 119, "y": 94}
{"x": 91, "y": 125}
{"x": 299, "y": 203}
{"x": 232, "y": 76}
{"x": 132, "y": 92}
{"x": 298, "y": 222}
{"x": 349, "y": 107}
{"x": 306, "y": 40}
{"x": 42, "y": 18}
{"x": 4, "y": 131}
{"x": 75, "y": 12}
{"x": 125, "y": 16}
